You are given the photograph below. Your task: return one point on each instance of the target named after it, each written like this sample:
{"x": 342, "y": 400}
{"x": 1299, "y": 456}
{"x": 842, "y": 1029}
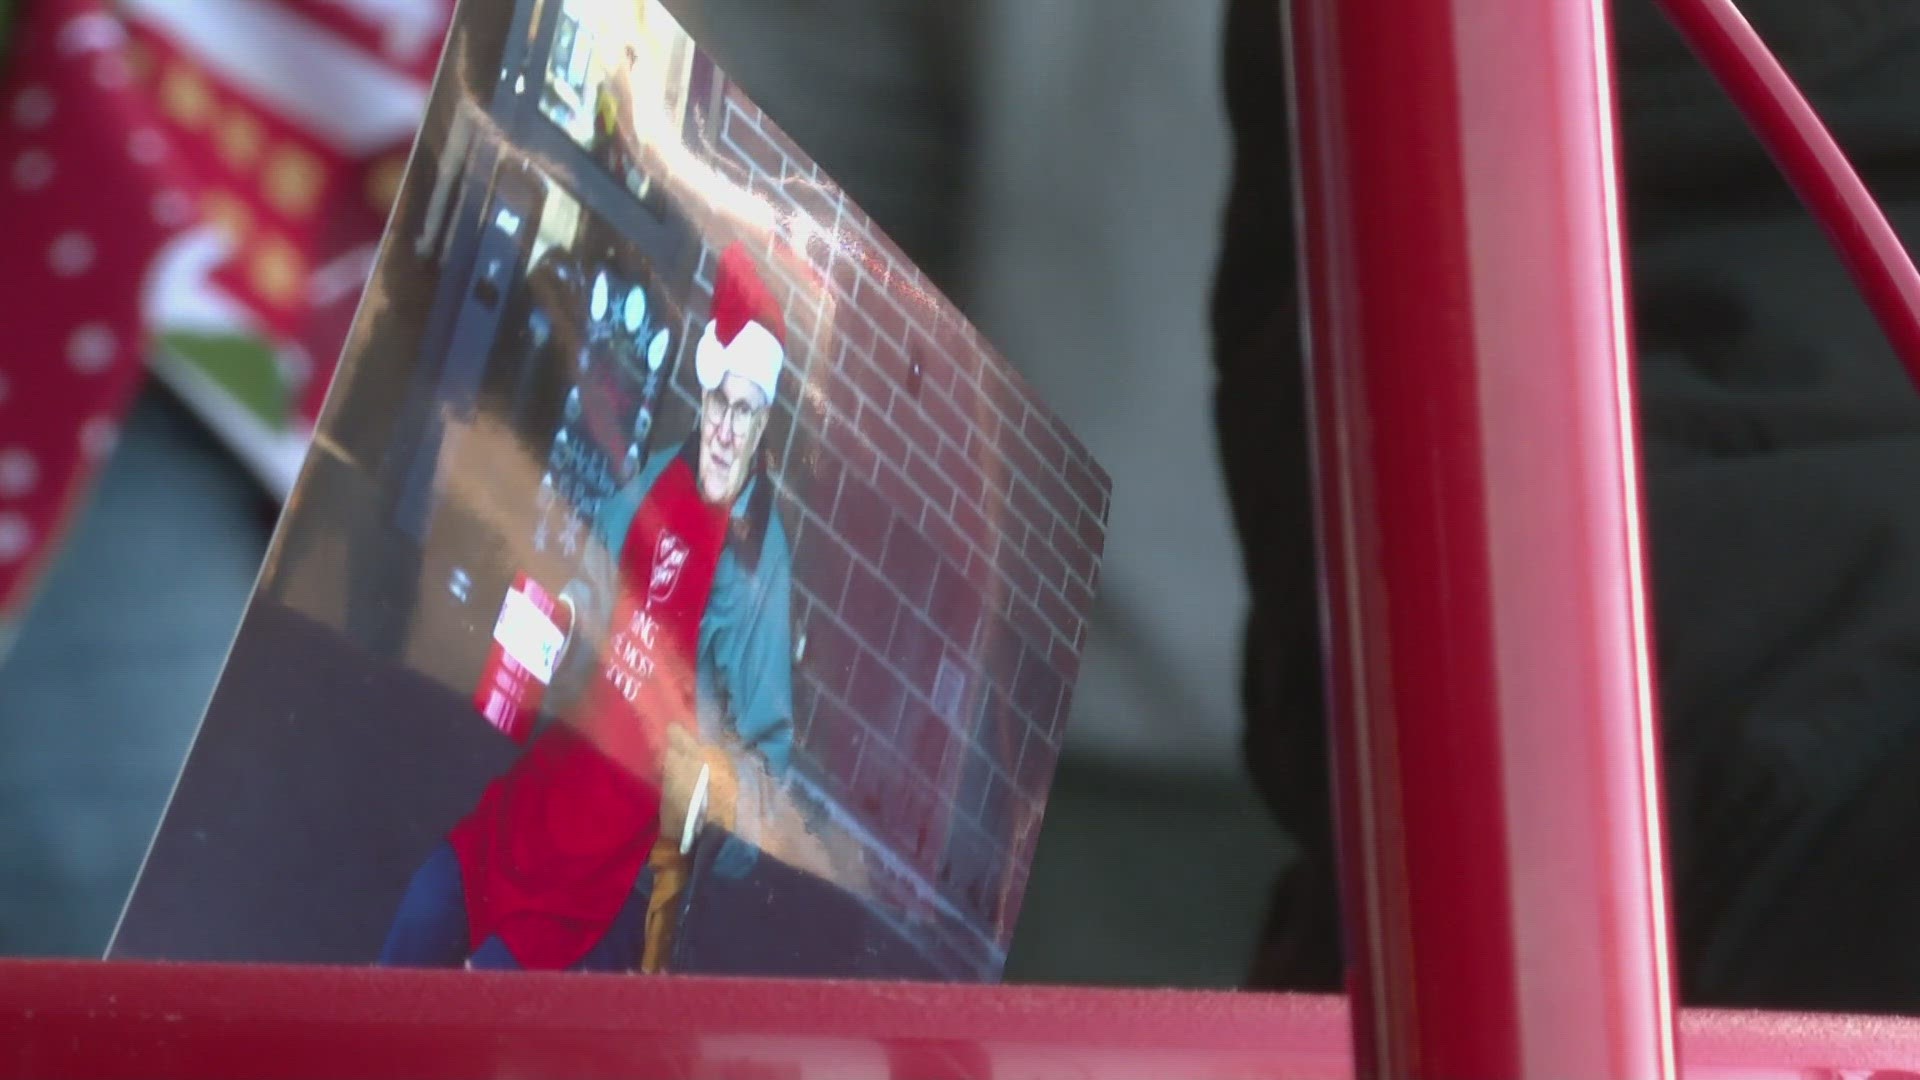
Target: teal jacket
{"x": 744, "y": 664}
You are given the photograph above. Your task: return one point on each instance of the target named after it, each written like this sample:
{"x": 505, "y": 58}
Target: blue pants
{"x": 430, "y": 929}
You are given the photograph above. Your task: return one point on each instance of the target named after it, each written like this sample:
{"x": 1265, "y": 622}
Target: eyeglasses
{"x": 739, "y": 415}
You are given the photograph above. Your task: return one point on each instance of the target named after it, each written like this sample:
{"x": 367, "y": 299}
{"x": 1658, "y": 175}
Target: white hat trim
{"x": 755, "y": 355}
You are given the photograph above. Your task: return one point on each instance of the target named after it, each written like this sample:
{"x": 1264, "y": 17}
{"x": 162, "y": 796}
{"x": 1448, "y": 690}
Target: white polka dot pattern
{"x": 32, "y": 170}
{"x": 19, "y": 473}
{"x": 90, "y": 349}
{"x": 147, "y": 146}
{"x": 71, "y": 254}
{"x": 98, "y": 437}
{"x": 172, "y": 209}
{"x": 16, "y": 536}
{"x": 33, "y": 107}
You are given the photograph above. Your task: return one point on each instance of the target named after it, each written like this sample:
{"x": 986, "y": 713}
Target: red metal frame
{"x": 1488, "y": 670}
{"x": 1813, "y": 163}
{"x": 204, "y": 1022}
{"x": 1472, "y": 408}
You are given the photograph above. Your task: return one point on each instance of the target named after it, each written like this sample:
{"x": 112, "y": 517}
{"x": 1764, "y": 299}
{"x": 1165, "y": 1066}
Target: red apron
{"x": 552, "y": 851}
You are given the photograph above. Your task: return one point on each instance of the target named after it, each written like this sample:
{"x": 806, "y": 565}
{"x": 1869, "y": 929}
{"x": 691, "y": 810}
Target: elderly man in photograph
{"x": 577, "y": 857}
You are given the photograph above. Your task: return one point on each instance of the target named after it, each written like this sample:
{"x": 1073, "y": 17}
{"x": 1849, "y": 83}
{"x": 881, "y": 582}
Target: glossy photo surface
{"x": 678, "y": 583}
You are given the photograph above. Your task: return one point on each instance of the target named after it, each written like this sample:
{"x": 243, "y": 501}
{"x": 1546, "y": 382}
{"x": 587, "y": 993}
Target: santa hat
{"x": 746, "y": 334}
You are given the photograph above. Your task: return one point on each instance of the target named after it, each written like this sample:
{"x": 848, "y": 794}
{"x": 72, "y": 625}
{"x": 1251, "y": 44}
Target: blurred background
{"x": 1058, "y": 168}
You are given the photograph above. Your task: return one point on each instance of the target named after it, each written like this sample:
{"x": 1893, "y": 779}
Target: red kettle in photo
{"x": 529, "y": 637}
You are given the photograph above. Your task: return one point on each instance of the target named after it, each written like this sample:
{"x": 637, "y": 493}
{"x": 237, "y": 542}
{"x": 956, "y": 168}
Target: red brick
{"x": 869, "y": 606}
{"x": 946, "y": 539}
{"x": 950, "y": 422}
{"x": 861, "y": 372}
{"x": 956, "y": 605}
{"x": 873, "y": 300}
{"x": 1001, "y": 390}
{"x": 999, "y": 807}
{"x": 1046, "y": 561}
{"x": 1081, "y": 479}
{"x": 803, "y": 322}
{"x": 1064, "y": 655}
{"x": 912, "y": 420}
{"x": 854, "y": 329}
{"x": 1091, "y": 530}
{"x": 1022, "y": 459}
{"x": 1037, "y": 689}
{"x": 1054, "y": 491}
{"x": 1079, "y": 559}
{"x": 1003, "y": 731}
{"x": 755, "y": 147}
{"x": 1079, "y": 598}
{"x": 836, "y": 738}
{"x": 1000, "y": 650}
{"x": 821, "y": 562}
{"x": 1058, "y": 612}
{"x": 930, "y": 743}
{"x": 887, "y": 441}
{"x": 856, "y": 454}
{"x": 1037, "y": 760}
{"x": 877, "y": 695}
{"x": 967, "y": 480}
{"x": 973, "y": 524}
{"x": 982, "y": 449}
{"x": 875, "y": 783}
{"x": 1029, "y": 621}
{"x": 837, "y": 391}
{"x": 900, "y": 268}
{"x": 961, "y": 348}
{"x": 909, "y": 821}
{"x": 916, "y": 649}
{"x": 910, "y": 563}
{"x": 931, "y": 482}
{"x": 1013, "y": 564}
{"x": 816, "y": 399}
{"x": 812, "y": 471}
{"x": 844, "y": 275}
{"x": 936, "y": 367}
{"x": 968, "y": 403}
{"x": 900, "y": 492}
{"x": 1039, "y": 430}
{"x": 831, "y": 653}
{"x": 978, "y": 778}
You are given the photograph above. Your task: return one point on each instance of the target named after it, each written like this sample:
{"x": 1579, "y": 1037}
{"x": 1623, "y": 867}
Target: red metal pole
{"x": 1479, "y": 525}
{"x": 1813, "y": 163}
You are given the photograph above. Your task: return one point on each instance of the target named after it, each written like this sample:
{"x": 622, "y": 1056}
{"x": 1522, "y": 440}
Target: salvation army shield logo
{"x": 669, "y": 558}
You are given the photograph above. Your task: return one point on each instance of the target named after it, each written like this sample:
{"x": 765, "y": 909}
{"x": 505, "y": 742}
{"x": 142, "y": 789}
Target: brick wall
{"x": 946, "y": 528}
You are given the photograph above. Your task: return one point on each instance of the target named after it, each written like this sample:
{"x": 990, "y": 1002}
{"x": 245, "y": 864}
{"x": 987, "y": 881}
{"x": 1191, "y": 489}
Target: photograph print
{"x": 678, "y": 582}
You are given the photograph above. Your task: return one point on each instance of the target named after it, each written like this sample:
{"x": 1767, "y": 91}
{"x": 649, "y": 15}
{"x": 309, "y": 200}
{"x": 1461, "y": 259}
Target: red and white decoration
{"x": 182, "y": 165}
{"x": 746, "y": 334}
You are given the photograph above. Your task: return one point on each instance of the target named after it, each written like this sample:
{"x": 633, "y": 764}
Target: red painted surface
{"x": 1489, "y": 673}
{"x": 1812, "y": 162}
{"x": 206, "y": 1022}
